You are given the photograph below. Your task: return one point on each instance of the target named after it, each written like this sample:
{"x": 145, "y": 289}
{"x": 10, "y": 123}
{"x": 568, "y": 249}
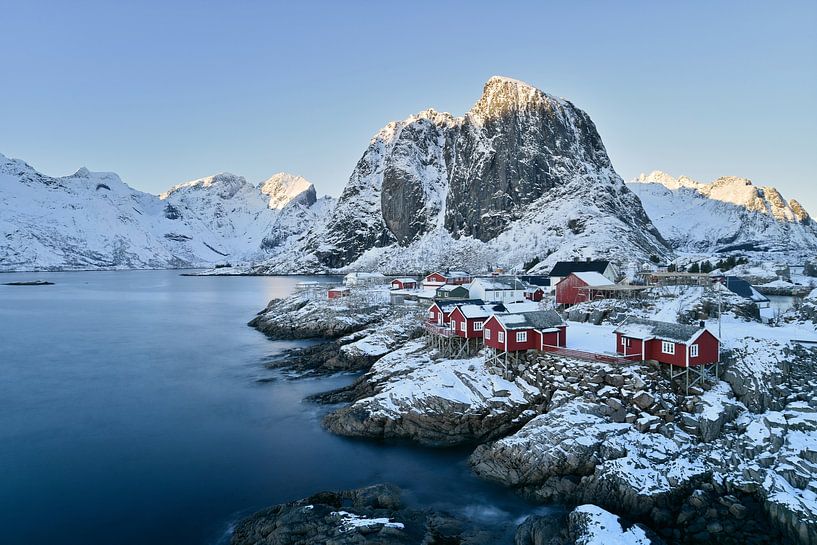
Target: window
{"x": 431, "y": 314}
{"x": 477, "y": 326}
{"x": 462, "y": 326}
{"x": 625, "y": 341}
{"x": 487, "y": 334}
{"x": 693, "y": 351}
{"x": 501, "y": 336}
{"x": 668, "y": 347}
{"x": 521, "y": 336}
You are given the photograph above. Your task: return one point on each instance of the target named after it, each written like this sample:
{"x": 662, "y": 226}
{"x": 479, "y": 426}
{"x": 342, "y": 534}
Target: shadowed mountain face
{"x": 518, "y": 150}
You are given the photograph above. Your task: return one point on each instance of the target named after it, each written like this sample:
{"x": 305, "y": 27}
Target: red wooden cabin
{"x": 403, "y": 284}
{"x": 334, "y": 293}
{"x": 524, "y": 331}
{"x": 666, "y": 342}
{"x": 468, "y": 321}
{"x": 534, "y": 294}
{"x": 440, "y": 311}
{"x": 568, "y": 292}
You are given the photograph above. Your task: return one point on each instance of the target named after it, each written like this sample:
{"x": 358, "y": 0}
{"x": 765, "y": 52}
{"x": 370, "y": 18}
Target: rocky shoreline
{"x": 732, "y": 462}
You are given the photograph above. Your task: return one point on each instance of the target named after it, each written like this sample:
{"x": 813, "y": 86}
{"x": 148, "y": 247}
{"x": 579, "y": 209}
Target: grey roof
{"x": 494, "y": 283}
{"x": 447, "y": 305}
{"x": 564, "y": 268}
{"x": 640, "y": 328}
{"x": 537, "y": 319}
{"x": 743, "y": 288}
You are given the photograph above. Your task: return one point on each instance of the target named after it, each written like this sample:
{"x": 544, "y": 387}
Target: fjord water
{"x": 135, "y": 408}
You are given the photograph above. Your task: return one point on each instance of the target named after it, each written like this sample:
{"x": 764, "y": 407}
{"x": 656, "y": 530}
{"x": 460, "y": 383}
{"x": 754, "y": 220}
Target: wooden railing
{"x": 437, "y": 329}
{"x": 590, "y": 356}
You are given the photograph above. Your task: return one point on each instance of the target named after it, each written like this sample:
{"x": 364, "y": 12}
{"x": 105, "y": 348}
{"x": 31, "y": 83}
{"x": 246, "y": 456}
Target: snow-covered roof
{"x": 593, "y": 278}
{"x": 639, "y": 328}
{"x": 538, "y": 319}
{"x": 523, "y": 306}
{"x": 456, "y": 274}
{"x": 405, "y": 280}
{"x": 451, "y": 287}
{"x": 500, "y": 283}
{"x": 476, "y": 311}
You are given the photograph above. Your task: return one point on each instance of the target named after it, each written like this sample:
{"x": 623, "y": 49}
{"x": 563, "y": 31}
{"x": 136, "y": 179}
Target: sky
{"x": 163, "y": 92}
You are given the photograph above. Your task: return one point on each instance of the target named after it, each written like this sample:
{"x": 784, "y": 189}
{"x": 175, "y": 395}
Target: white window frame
{"x": 477, "y": 326}
{"x": 500, "y": 336}
{"x": 464, "y": 326}
{"x": 521, "y": 336}
{"x": 431, "y": 314}
{"x": 668, "y": 347}
{"x": 487, "y": 334}
{"x": 693, "y": 351}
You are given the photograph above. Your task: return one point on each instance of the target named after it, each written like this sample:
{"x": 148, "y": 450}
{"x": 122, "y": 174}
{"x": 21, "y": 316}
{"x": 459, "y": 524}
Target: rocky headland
{"x": 733, "y": 460}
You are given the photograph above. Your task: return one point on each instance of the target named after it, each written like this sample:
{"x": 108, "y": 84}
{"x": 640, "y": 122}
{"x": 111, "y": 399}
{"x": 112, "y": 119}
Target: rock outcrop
{"x": 372, "y": 515}
{"x": 409, "y": 395}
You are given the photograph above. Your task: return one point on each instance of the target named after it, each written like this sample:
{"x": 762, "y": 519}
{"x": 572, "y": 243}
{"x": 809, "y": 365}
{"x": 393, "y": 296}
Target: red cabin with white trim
{"x": 403, "y": 284}
{"x": 524, "y": 331}
{"x": 468, "y": 321}
{"x": 665, "y": 342}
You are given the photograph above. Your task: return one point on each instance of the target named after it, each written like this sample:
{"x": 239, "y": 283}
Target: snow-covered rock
{"x": 592, "y": 525}
{"x": 730, "y": 214}
{"x": 408, "y": 394}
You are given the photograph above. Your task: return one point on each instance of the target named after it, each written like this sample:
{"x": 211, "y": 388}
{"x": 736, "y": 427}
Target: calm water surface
{"x": 135, "y": 408}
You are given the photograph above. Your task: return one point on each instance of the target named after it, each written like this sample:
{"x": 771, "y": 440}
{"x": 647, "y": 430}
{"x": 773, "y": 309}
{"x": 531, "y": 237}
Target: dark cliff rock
{"x": 517, "y": 151}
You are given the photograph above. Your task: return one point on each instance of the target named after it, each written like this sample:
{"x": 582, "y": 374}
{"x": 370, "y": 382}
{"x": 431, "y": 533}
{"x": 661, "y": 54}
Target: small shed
{"x": 403, "y": 284}
{"x": 335, "y": 293}
{"x": 534, "y": 293}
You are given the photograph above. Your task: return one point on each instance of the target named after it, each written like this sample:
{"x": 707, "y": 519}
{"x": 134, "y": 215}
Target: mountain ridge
{"x": 732, "y": 214}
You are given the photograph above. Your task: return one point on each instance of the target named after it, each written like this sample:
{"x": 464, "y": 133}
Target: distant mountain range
{"x": 93, "y": 220}
{"x": 522, "y": 178}
{"x": 728, "y": 214}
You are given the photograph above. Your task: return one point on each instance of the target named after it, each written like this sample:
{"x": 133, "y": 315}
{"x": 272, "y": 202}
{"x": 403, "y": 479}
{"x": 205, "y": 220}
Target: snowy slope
{"x": 729, "y": 214}
{"x": 522, "y": 175}
{"x": 94, "y": 220}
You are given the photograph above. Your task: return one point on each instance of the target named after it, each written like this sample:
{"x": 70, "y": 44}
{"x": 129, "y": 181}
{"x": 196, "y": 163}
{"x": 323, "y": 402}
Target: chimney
{"x": 575, "y": 259}
{"x": 702, "y": 324}
{"x": 588, "y": 259}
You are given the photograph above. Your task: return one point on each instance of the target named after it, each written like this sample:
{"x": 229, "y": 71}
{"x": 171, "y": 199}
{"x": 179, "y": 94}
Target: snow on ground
{"x": 599, "y": 339}
{"x": 350, "y": 521}
{"x": 600, "y": 527}
{"x": 411, "y": 379}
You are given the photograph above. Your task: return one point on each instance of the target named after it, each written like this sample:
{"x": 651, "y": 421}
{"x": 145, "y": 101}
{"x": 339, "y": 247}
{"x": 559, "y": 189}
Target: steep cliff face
{"x": 521, "y": 167}
{"x": 730, "y": 214}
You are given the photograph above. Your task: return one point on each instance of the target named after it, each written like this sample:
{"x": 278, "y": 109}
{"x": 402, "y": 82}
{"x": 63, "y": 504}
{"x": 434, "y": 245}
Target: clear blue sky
{"x": 162, "y": 92}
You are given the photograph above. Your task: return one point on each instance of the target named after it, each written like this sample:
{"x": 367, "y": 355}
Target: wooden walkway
{"x": 589, "y": 356}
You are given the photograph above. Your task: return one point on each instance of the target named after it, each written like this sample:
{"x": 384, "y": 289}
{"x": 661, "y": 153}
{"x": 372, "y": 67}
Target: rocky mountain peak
{"x": 284, "y": 188}
{"x": 224, "y": 184}
{"x": 502, "y": 95}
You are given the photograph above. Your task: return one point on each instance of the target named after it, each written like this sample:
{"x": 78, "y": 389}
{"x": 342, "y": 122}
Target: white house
{"x": 363, "y": 279}
{"x": 500, "y": 290}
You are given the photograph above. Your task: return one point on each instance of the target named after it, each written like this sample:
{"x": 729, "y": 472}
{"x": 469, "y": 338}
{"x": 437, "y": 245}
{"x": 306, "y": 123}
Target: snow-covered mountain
{"x": 522, "y": 175}
{"x": 727, "y": 214}
{"x": 93, "y": 220}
